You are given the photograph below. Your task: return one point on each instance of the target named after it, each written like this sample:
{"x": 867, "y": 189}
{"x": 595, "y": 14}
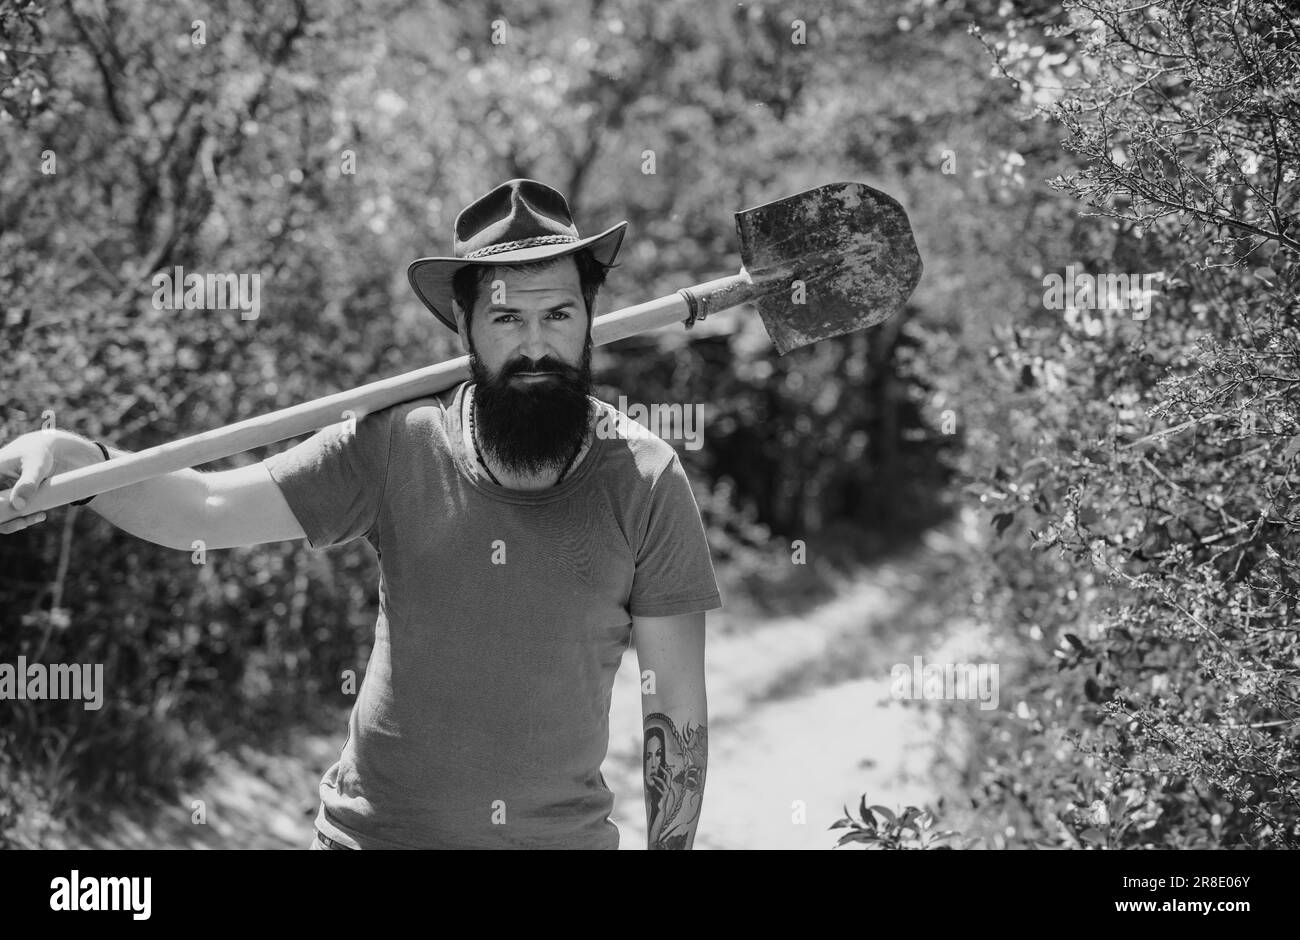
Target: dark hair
{"x": 467, "y": 282}
{"x": 663, "y": 742}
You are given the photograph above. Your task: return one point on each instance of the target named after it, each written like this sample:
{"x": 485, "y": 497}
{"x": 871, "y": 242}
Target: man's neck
{"x": 514, "y": 481}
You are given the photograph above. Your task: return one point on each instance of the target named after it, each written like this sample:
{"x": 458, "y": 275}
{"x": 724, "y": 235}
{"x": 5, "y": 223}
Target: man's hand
{"x": 225, "y": 509}
{"x": 31, "y": 459}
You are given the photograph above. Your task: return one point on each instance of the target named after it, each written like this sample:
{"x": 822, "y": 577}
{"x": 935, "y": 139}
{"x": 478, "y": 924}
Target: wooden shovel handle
{"x": 290, "y": 422}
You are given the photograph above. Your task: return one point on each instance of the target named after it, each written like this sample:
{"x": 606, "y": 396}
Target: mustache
{"x": 523, "y": 365}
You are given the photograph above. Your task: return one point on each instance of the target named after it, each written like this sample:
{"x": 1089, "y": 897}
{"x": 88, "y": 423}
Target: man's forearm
{"x": 163, "y": 510}
{"x": 676, "y": 758}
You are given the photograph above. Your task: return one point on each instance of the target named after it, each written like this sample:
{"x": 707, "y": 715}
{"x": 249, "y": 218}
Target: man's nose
{"x": 534, "y": 345}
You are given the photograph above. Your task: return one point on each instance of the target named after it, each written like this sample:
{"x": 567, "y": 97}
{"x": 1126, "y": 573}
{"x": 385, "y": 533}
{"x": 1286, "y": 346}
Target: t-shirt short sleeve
{"x": 674, "y": 572}
{"x": 334, "y": 481}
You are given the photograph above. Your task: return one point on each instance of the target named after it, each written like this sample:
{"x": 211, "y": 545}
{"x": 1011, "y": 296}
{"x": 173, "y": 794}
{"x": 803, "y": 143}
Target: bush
{"x": 1139, "y": 478}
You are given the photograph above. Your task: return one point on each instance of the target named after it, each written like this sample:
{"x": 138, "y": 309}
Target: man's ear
{"x": 462, "y": 326}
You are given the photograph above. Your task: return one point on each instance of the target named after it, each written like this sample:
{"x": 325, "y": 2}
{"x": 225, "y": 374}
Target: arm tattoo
{"x": 674, "y": 767}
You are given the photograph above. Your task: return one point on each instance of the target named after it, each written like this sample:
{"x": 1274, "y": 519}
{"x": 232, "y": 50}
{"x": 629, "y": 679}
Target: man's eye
{"x": 506, "y": 317}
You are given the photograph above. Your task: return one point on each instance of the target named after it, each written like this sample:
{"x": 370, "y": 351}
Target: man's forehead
{"x": 562, "y": 272}
{"x": 542, "y": 288}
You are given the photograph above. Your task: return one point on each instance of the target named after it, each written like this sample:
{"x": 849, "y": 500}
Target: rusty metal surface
{"x": 850, "y": 245}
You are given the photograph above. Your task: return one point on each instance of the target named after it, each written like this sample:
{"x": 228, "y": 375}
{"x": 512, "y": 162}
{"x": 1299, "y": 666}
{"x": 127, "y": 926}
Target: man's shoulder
{"x": 630, "y": 446}
{"x": 423, "y": 411}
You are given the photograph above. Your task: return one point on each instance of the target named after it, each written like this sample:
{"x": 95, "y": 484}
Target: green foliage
{"x": 878, "y": 827}
{"x": 1140, "y": 570}
{"x": 22, "y": 81}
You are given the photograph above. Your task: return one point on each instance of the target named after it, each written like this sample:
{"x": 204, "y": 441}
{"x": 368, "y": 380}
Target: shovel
{"x": 821, "y": 263}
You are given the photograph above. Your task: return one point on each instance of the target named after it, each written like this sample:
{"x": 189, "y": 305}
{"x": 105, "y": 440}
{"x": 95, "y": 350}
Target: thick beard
{"x": 532, "y": 428}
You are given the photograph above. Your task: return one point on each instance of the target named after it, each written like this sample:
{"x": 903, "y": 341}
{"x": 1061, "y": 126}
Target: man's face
{"x": 530, "y": 357}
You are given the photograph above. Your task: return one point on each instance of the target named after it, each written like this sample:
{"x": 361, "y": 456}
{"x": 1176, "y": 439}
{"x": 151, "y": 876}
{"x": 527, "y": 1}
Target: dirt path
{"x": 777, "y": 736}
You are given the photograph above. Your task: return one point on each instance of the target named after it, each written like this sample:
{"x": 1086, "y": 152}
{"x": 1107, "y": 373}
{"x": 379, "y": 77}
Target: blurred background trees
{"x": 326, "y": 145}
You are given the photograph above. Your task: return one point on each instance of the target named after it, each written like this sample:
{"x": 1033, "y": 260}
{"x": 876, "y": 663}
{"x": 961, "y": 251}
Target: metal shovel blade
{"x": 828, "y": 261}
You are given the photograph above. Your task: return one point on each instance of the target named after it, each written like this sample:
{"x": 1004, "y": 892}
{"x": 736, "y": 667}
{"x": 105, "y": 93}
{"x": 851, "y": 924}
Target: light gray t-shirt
{"x": 483, "y": 717}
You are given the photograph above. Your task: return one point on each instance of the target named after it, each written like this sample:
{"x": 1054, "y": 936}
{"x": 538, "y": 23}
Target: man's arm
{"x": 225, "y": 509}
{"x": 674, "y": 709}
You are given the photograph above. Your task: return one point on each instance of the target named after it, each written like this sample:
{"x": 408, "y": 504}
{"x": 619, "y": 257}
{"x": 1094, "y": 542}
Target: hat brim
{"x": 431, "y": 278}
